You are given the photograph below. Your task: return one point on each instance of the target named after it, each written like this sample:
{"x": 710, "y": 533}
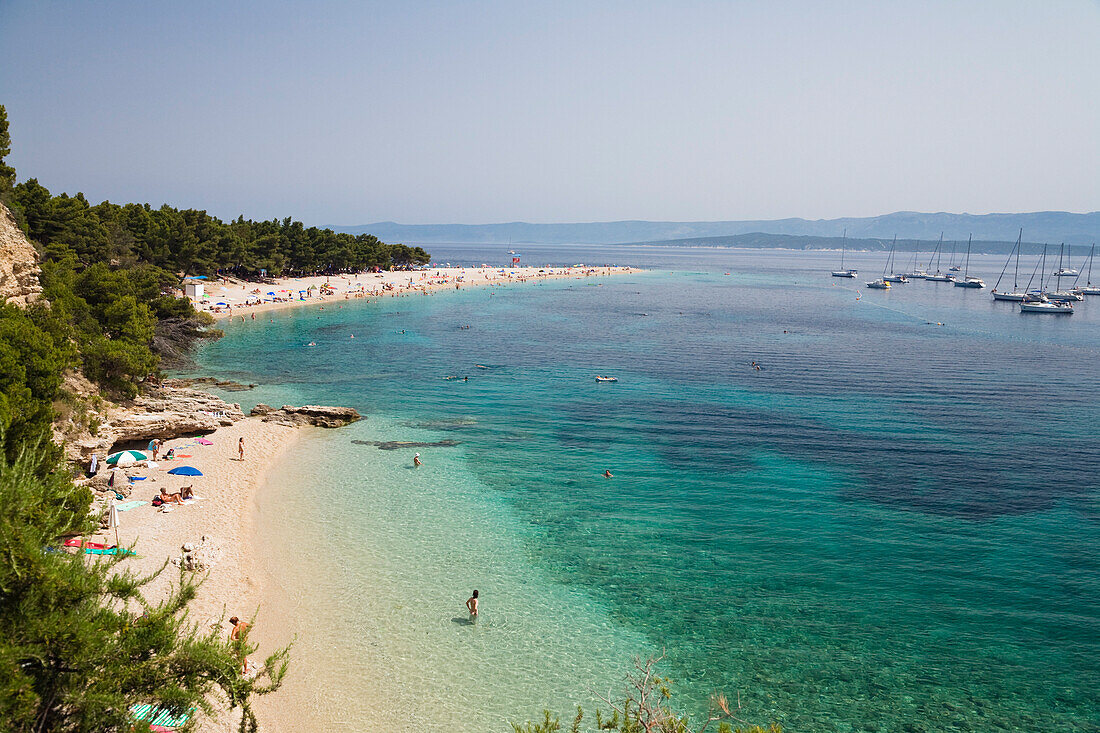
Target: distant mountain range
{"x": 1041, "y": 226}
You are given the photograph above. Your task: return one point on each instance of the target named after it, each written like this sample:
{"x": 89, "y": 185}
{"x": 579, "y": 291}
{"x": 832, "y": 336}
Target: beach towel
{"x": 130, "y": 505}
{"x": 108, "y": 551}
{"x": 77, "y": 542}
{"x": 158, "y": 718}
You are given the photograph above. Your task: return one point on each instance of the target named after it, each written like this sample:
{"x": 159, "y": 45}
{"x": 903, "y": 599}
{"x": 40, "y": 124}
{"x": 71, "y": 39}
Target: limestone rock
{"x": 18, "y": 264}
{"x": 320, "y": 415}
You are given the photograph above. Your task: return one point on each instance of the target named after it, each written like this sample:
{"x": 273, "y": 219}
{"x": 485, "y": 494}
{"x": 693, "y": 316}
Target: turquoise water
{"x": 893, "y": 525}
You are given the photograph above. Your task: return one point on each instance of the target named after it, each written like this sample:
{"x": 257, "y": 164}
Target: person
{"x": 167, "y": 498}
{"x": 187, "y": 492}
{"x": 607, "y": 474}
{"x": 240, "y": 448}
{"x": 471, "y": 604}
{"x": 154, "y": 447}
{"x": 238, "y": 628}
{"x": 170, "y": 454}
{"x": 416, "y": 460}
{"x": 235, "y": 635}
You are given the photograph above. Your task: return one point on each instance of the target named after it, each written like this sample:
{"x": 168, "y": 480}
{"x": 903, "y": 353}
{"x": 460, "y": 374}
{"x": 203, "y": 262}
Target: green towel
{"x": 129, "y": 505}
{"x": 108, "y": 551}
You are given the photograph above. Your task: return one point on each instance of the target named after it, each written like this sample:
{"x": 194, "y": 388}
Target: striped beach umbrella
{"x": 126, "y": 457}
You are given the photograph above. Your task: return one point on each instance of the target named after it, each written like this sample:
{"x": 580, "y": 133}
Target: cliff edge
{"x": 18, "y": 264}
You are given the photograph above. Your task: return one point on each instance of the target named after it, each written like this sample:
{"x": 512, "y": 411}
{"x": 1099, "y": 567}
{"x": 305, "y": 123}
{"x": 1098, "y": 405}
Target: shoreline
{"x": 243, "y": 297}
{"x": 218, "y": 524}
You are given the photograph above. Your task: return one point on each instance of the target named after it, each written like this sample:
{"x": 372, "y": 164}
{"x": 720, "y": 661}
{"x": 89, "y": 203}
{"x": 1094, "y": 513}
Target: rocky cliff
{"x": 18, "y": 263}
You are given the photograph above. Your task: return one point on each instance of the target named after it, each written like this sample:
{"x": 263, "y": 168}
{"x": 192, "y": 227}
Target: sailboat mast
{"x": 843, "y": 241}
{"x": 1092, "y": 253}
{"x": 966, "y": 269}
{"x": 1016, "y": 275}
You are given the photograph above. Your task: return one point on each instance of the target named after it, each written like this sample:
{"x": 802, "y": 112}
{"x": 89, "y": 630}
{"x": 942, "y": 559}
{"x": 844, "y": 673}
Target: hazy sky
{"x": 421, "y": 112}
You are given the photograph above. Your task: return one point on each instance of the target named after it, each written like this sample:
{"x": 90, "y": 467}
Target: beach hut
{"x": 193, "y": 289}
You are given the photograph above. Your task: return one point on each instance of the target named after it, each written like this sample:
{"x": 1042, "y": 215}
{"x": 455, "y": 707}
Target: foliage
{"x": 34, "y": 349}
{"x": 646, "y": 708}
{"x": 187, "y": 241}
{"x": 7, "y": 173}
{"x": 75, "y": 653}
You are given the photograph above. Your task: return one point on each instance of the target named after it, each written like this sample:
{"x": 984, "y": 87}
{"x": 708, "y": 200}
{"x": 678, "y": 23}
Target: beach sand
{"x": 217, "y": 525}
{"x": 243, "y": 298}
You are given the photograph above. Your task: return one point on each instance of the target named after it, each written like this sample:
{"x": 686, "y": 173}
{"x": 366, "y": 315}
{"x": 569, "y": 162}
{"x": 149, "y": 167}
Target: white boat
{"x": 842, "y": 272}
{"x": 1089, "y": 288}
{"x": 939, "y": 277}
{"x": 968, "y": 281}
{"x": 607, "y": 379}
{"x": 1016, "y": 295}
{"x": 917, "y": 274}
{"x": 1046, "y": 307}
{"x": 884, "y": 282}
{"x": 1063, "y": 296}
{"x": 1067, "y": 272}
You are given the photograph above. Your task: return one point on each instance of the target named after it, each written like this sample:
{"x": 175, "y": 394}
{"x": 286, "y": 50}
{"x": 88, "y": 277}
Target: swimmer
{"x": 416, "y": 460}
{"x": 607, "y": 474}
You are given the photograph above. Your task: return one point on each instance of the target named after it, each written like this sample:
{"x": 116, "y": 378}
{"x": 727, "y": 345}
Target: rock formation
{"x": 319, "y": 415}
{"x": 18, "y": 264}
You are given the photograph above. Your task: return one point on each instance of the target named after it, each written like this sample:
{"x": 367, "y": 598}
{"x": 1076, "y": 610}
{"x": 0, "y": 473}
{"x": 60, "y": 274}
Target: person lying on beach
{"x": 170, "y": 498}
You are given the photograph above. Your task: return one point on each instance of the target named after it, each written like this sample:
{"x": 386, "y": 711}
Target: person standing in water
{"x": 471, "y": 604}
{"x": 416, "y": 460}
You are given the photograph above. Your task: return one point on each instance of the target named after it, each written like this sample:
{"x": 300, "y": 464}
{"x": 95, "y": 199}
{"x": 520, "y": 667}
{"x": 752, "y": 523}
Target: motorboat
{"x": 606, "y": 379}
{"x": 899, "y": 278}
{"x": 1046, "y": 307}
{"x": 969, "y": 281}
{"x": 880, "y": 284}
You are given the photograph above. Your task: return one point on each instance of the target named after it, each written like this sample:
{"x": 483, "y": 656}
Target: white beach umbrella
{"x": 112, "y": 520}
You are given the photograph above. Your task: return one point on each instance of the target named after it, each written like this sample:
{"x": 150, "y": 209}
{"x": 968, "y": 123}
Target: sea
{"x": 893, "y": 524}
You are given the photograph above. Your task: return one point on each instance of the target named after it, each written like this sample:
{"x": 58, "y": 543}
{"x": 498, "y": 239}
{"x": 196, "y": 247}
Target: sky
{"x": 344, "y": 113}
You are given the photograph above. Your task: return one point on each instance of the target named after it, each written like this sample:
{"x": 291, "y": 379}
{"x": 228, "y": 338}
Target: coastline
{"x": 244, "y": 297}
{"x": 217, "y": 524}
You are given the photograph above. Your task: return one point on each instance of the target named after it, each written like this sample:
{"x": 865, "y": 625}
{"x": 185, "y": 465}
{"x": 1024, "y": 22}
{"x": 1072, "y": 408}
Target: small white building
{"x": 193, "y": 289}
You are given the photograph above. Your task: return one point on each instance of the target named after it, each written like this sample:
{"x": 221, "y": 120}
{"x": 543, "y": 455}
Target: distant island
{"x": 1052, "y": 227}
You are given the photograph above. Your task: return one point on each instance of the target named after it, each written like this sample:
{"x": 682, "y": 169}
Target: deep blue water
{"x": 892, "y": 525}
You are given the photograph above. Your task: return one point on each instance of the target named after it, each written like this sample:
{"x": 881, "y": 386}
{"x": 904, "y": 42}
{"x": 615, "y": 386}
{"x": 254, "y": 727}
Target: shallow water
{"x": 893, "y": 525}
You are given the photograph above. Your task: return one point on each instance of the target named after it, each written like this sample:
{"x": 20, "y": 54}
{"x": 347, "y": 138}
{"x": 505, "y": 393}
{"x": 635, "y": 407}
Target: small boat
{"x": 1089, "y": 288}
{"x": 842, "y": 272}
{"x": 1015, "y": 296}
{"x": 899, "y": 278}
{"x": 939, "y": 277}
{"x": 880, "y": 284}
{"x": 1046, "y": 307}
{"x": 1059, "y": 294}
{"x": 968, "y": 281}
{"x": 607, "y": 379}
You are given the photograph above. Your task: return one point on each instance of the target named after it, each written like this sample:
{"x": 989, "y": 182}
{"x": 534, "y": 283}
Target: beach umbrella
{"x": 126, "y": 457}
{"x": 221, "y": 302}
{"x": 270, "y": 292}
{"x": 185, "y": 471}
{"x": 204, "y": 441}
{"x": 112, "y": 520}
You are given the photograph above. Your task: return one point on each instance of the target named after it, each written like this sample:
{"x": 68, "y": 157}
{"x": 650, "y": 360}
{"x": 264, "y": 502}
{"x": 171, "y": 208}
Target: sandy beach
{"x": 229, "y": 297}
{"x": 216, "y": 524}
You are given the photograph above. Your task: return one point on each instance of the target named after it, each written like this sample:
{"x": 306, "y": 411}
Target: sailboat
{"x": 897, "y": 277}
{"x": 968, "y": 281}
{"x": 1016, "y": 295}
{"x": 883, "y": 283}
{"x": 1069, "y": 270}
{"x": 1089, "y": 288}
{"x": 954, "y": 267}
{"x": 842, "y": 272}
{"x": 939, "y": 277}
{"x": 916, "y": 272}
{"x": 1058, "y": 294}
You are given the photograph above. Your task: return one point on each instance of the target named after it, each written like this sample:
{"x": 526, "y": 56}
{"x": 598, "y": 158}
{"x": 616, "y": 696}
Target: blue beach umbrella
{"x": 185, "y": 471}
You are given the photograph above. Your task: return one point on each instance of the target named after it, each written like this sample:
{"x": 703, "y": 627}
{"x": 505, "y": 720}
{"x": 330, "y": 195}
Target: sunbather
{"x": 187, "y": 492}
{"x": 170, "y": 498}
